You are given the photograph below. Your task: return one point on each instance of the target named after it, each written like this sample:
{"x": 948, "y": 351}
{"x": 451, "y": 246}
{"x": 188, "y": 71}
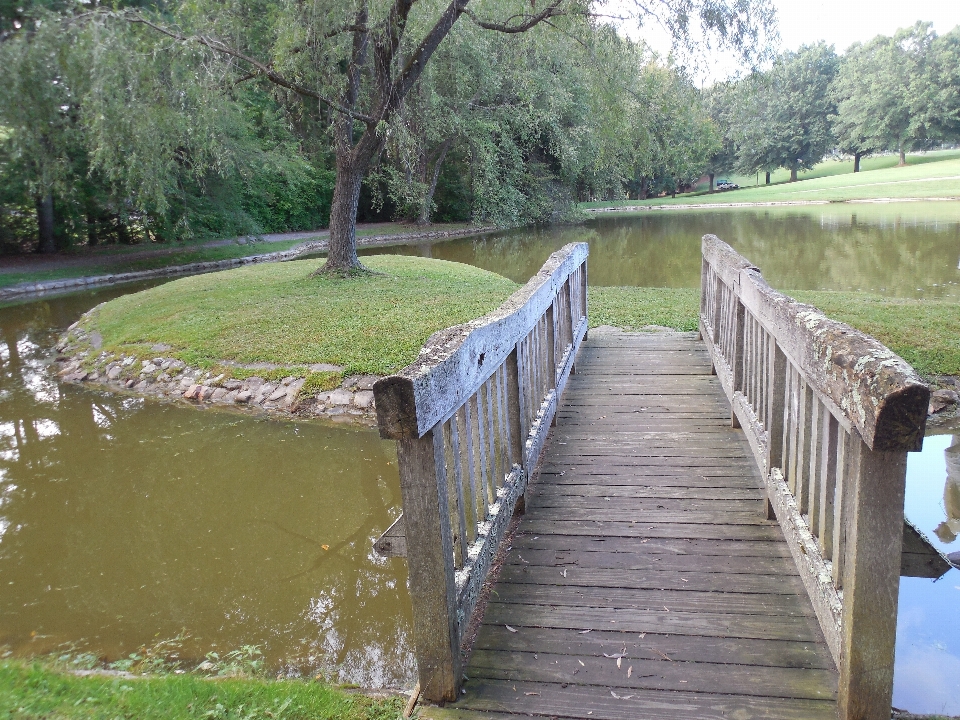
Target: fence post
{"x": 871, "y": 581}
{"x": 736, "y": 352}
{"x": 433, "y": 590}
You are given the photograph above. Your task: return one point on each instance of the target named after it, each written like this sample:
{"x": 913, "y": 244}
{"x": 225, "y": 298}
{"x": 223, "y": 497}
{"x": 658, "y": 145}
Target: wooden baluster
{"x": 790, "y": 428}
{"x": 457, "y": 480}
{"x": 476, "y": 513}
{"x": 807, "y": 404}
{"x": 871, "y": 580}
{"x": 809, "y": 478}
{"x": 430, "y": 563}
{"x": 775, "y": 398}
{"x": 828, "y": 478}
{"x": 717, "y": 302}
{"x": 505, "y": 432}
{"x": 828, "y": 493}
{"x": 750, "y": 363}
{"x": 838, "y": 529}
{"x": 485, "y": 447}
{"x": 514, "y": 403}
{"x": 489, "y": 433}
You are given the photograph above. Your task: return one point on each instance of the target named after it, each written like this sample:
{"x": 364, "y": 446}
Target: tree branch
{"x": 259, "y": 69}
{"x": 509, "y": 26}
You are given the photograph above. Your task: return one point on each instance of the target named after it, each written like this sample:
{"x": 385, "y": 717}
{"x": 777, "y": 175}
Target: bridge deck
{"x": 645, "y": 582}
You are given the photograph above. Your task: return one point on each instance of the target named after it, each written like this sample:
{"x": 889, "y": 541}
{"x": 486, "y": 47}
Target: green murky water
{"x": 904, "y": 250}
{"x": 124, "y": 521}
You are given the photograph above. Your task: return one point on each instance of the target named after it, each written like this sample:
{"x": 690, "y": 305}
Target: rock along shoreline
{"x": 285, "y": 392}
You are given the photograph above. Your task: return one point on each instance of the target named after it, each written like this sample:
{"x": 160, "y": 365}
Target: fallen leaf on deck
{"x": 620, "y": 697}
{"x": 510, "y": 628}
{"x": 583, "y": 632}
{"x": 581, "y": 662}
{"x": 619, "y": 660}
{"x": 564, "y": 572}
{"x": 532, "y": 693}
{"x": 630, "y": 671}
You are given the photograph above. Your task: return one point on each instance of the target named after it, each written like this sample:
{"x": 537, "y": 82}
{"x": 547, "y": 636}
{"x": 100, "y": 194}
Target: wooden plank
{"x": 704, "y": 517}
{"x": 653, "y": 579}
{"x": 634, "y": 674}
{"x": 643, "y": 489}
{"x": 634, "y": 561}
{"x": 557, "y": 701}
{"x": 665, "y": 622}
{"x": 564, "y": 503}
{"x": 633, "y": 528}
{"x": 653, "y": 646}
{"x": 677, "y": 600}
{"x": 655, "y": 546}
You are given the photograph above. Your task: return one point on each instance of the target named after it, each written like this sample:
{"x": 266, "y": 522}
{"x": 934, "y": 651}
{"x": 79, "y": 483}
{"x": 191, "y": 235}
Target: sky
{"x": 839, "y": 22}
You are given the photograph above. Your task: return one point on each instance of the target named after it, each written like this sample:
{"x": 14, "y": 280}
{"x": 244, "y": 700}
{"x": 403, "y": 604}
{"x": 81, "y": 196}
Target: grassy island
{"x": 277, "y": 313}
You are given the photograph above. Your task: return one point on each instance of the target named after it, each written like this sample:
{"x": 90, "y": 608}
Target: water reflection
{"x": 948, "y": 530}
{"x": 890, "y": 250}
{"x": 927, "y": 670}
{"x": 124, "y": 521}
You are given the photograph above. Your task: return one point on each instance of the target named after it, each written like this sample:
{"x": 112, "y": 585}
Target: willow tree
{"x": 358, "y": 60}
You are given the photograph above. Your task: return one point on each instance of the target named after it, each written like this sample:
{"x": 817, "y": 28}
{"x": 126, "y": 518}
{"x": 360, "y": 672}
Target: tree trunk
{"x": 903, "y": 157}
{"x": 92, "y": 237}
{"x": 711, "y": 181}
{"x": 45, "y": 224}
{"x": 644, "y": 189}
{"x": 768, "y": 177}
{"x": 856, "y": 162}
{"x": 427, "y": 206}
{"x": 342, "y": 255}
{"x": 793, "y": 174}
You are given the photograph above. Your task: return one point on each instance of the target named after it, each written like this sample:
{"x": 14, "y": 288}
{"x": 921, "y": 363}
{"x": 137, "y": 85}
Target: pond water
{"x": 927, "y": 671}
{"x": 906, "y": 250}
{"x": 125, "y": 521}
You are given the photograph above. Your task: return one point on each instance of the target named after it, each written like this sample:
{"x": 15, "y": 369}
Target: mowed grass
{"x": 927, "y": 180}
{"x": 278, "y": 313}
{"x": 32, "y": 690}
{"x": 925, "y": 333}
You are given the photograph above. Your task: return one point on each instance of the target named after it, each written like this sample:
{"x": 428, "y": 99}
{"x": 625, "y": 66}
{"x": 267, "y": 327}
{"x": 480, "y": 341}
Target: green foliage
{"x": 277, "y": 313}
{"x": 782, "y": 117}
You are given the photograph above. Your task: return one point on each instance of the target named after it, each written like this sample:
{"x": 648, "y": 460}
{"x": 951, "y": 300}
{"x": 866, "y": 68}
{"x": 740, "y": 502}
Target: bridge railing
{"x": 830, "y": 414}
{"x": 470, "y": 417}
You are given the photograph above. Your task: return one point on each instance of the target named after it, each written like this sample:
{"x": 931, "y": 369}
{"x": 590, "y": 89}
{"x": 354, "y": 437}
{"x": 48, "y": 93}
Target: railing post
{"x": 871, "y": 580}
{"x": 776, "y": 402}
{"x": 433, "y": 590}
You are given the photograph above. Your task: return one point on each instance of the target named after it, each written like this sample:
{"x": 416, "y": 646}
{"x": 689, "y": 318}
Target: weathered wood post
{"x": 871, "y": 582}
{"x": 433, "y": 589}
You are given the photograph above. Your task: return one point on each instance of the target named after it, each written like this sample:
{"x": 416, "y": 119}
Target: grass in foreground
{"x": 33, "y": 690}
{"x": 277, "y": 313}
{"x": 934, "y": 179}
{"x": 925, "y": 333}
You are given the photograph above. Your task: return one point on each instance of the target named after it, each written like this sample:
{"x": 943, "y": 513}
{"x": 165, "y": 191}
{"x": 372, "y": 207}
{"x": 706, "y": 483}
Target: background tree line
{"x": 892, "y": 94}
{"x": 175, "y": 121}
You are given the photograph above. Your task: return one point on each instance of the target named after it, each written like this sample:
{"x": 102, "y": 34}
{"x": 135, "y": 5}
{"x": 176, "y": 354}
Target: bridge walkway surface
{"x": 645, "y": 580}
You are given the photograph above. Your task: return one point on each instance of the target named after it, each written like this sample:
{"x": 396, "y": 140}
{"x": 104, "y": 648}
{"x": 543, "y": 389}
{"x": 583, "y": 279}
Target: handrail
{"x": 830, "y": 414}
{"x": 470, "y": 417}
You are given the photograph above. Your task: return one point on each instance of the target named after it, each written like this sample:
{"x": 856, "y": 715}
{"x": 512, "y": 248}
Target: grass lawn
{"x": 925, "y": 333}
{"x": 940, "y": 178}
{"x": 277, "y": 313}
{"x": 32, "y": 690}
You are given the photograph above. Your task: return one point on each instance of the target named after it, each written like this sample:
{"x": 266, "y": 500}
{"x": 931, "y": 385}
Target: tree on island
{"x": 360, "y": 60}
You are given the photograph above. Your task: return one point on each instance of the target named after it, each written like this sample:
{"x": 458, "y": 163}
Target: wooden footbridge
{"x": 712, "y": 527}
